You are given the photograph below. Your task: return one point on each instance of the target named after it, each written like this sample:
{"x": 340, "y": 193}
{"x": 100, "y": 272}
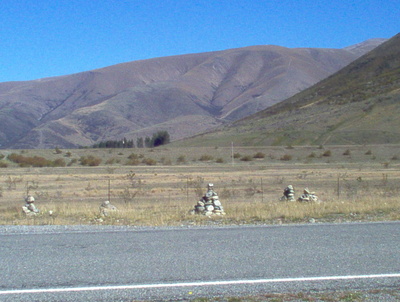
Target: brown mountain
{"x": 360, "y": 104}
{"x": 184, "y": 95}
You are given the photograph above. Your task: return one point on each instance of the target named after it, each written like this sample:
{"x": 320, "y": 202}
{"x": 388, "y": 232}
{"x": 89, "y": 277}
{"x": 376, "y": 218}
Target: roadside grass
{"x": 176, "y": 213}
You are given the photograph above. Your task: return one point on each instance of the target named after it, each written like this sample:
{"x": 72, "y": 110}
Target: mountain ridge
{"x": 138, "y": 98}
{"x": 359, "y": 104}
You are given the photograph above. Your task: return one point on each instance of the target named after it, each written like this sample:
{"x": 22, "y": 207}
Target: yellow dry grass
{"x": 163, "y": 195}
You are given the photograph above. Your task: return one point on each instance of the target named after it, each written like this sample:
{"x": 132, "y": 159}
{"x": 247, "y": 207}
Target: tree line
{"x": 157, "y": 139}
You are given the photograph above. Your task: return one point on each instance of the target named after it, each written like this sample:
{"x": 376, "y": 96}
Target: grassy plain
{"x": 158, "y": 187}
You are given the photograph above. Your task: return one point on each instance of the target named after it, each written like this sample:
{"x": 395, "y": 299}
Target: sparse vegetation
{"x": 3, "y": 164}
{"x": 90, "y": 160}
{"x": 327, "y": 153}
{"x": 286, "y": 157}
{"x": 149, "y": 161}
{"x": 57, "y": 150}
{"x": 237, "y": 155}
{"x": 181, "y": 159}
{"x": 206, "y": 157}
{"x": 259, "y": 155}
{"x": 312, "y": 155}
{"x": 345, "y": 189}
{"x": 246, "y": 158}
{"x": 35, "y": 161}
{"x": 347, "y": 152}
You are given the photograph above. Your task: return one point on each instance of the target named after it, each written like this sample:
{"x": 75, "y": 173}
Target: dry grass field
{"x": 158, "y": 187}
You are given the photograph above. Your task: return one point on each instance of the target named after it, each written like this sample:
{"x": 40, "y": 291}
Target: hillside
{"x": 360, "y": 104}
{"x": 185, "y": 95}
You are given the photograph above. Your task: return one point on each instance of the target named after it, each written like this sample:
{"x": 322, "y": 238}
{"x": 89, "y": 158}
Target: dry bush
{"x": 347, "y": 152}
{"x": 327, "y": 153}
{"x": 237, "y": 155}
{"x": 35, "y": 161}
{"x": 286, "y": 157}
{"x": 90, "y": 160}
{"x": 206, "y": 157}
{"x": 246, "y": 158}
{"x": 259, "y": 155}
{"x": 149, "y": 161}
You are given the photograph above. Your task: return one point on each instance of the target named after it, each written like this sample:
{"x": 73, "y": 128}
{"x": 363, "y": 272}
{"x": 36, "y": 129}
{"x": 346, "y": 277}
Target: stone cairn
{"x": 30, "y": 208}
{"x": 288, "y": 194}
{"x": 308, "y": 196}
{"x": 106, "y": 207}
{"x": 209, "y": 204}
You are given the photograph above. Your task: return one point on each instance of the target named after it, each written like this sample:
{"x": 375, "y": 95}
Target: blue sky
{"x": 43, "y": 38}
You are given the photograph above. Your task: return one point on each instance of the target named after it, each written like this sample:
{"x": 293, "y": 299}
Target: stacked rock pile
{"x": 288, "y": 194}
{"x": 308, "y": 196}
{"x": 106, "y": 207}
{"x": 30, "y": 208}
{"x": 209, "y": 204}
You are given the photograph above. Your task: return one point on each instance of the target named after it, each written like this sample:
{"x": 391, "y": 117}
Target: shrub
{"x": 312, "y": 155}
{"x": 206, "y": 158}
{"x": 26, "y": 161}
{"x": 246, "y": 158}
{"x": 219, "y": 160}
{"x": 259, "y": 155}
{"x": 57, "y": 150}
{"x": 1, "y": 156}
{"x": 3, "y": 164}
{"x": 369, "y": 152}
{"x": 149, "y": 161}
{"x": 327, "y": 153}
{"x": 286, "y": 157}
{"x": 133, "y": 156}
{"x": 347, "y": 152}
{"x": 90, "y": 160}
{"x": 237, "y": 155}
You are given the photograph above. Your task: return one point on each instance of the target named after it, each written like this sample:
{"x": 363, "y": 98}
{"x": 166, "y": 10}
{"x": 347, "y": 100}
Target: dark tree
{"x": 160, "y": 138}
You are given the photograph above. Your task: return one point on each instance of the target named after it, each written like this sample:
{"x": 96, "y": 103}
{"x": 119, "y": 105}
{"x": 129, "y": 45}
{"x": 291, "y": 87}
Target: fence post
{"x": 187, "y": 189}
{"x": 262, "y": 191}
{"x": 109, "y": 190}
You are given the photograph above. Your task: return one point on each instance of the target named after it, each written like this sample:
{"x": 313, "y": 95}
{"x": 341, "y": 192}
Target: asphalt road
{"x": 124, "y": 264}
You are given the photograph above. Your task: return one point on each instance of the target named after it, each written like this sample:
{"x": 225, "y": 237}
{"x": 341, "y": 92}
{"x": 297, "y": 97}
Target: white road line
{"x": 193, "y": 284}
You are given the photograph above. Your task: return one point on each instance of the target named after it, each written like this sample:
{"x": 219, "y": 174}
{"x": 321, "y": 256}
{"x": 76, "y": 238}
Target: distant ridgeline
{"x": 158, "y": 139}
